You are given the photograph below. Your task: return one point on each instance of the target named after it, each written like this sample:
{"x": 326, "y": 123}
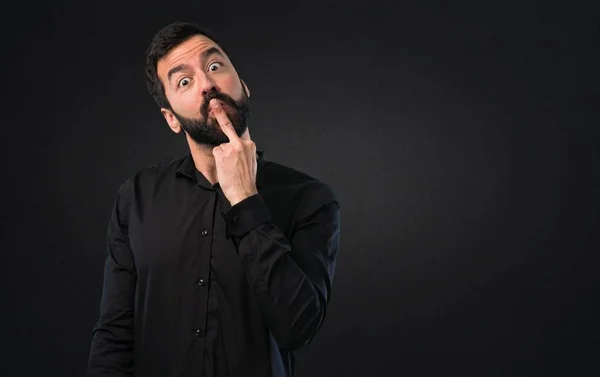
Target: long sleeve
{"x": 292, "y": 277}
{"x": 111, "y": 352}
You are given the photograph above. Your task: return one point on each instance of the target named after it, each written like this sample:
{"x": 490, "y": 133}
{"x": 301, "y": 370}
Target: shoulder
{"x": 314, "y": 192}
{"x": 160, "y": 169}
{"x": 148, "y": 175}
{"x": 154, "y": 172}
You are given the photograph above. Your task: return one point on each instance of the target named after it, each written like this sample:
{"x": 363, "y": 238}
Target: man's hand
{"x": 235, "y": 161}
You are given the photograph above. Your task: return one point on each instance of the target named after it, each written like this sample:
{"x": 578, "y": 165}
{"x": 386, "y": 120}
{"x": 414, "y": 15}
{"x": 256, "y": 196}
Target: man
{"x": 220, "y": 263}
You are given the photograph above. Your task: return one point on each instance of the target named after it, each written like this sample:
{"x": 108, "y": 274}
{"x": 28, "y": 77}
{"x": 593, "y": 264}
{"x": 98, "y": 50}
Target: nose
{"x": 208, "y": 84}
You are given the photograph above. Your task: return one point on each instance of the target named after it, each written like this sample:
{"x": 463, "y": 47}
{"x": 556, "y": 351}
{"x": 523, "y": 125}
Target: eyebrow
{"x": 203, "y": 56}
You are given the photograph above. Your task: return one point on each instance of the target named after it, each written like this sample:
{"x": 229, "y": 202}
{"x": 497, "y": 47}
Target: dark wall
{"x": 461, "y": 141}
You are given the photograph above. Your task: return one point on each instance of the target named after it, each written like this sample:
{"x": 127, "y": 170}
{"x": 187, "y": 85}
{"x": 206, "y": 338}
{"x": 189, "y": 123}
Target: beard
{"x": 206, "y": 130}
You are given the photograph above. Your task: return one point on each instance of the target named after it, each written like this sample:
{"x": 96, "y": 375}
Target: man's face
{"x": 192, "y": 74}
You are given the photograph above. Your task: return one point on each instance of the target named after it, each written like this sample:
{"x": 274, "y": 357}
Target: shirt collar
{"x": 188, "y": 169}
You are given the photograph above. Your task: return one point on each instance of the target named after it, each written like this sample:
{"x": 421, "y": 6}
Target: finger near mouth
{"x": 224, "y": 106}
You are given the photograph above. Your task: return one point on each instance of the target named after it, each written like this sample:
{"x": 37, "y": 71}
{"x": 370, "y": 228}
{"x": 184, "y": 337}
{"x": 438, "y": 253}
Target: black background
{"x": 460, "y": 139}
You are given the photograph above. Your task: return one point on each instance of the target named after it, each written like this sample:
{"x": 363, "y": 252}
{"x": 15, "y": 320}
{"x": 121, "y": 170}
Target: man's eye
{"x": 214, "y": 66}
{"x": 184, "y": 82}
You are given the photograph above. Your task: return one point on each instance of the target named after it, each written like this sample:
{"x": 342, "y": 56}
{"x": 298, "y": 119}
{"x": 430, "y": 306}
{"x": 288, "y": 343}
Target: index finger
{"x": 223, "y": 120}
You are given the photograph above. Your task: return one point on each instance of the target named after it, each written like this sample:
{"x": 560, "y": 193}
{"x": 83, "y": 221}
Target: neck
{"x": 203, "y": 160}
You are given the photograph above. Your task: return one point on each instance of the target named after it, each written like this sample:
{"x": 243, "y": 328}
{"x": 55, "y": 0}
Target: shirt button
{"x": 204, "y": 232}
{"x": 235, "y": 219}
{"x": 199, "y": 332}
{"x": 201, "y": 282}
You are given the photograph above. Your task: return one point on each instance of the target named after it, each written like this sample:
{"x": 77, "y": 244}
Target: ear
{"x": 171, "y": 120}
{"x": 245, "y": 88}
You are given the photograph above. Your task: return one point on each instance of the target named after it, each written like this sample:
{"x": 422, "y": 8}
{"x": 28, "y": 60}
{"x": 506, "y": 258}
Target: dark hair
{"x": 164, "y": 41}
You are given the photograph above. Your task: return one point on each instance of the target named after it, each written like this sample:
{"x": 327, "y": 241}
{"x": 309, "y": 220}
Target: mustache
{"x": 221, "y": 97}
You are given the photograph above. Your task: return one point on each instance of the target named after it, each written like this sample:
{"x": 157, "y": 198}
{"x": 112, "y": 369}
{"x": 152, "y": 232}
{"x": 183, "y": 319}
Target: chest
{"x": 171, "y": 230}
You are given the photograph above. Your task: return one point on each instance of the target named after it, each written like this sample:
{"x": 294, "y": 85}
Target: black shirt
{"x": 196, "y": 287}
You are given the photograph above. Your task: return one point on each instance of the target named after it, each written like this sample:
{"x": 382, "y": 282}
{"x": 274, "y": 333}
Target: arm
{"x": 111, "y": 351}
{"x": 292, "y": 278}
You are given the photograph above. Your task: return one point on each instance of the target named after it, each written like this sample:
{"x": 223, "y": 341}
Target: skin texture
{"x": 232, "y": 163}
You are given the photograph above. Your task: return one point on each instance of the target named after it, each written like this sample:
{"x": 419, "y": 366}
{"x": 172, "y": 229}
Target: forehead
{"x": 190, "y": 49}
